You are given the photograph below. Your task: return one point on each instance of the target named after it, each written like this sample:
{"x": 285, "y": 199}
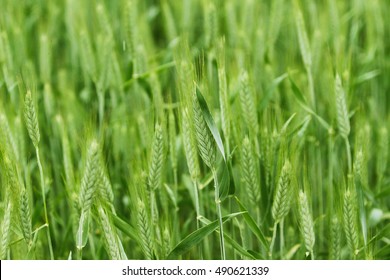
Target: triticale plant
{"x": 250, "y": 178}
{"x": 31, "y": 119}
{"x": 283, "y": 194}
{"x": 206, "y": 144}
{"x": 25, "y": 217}
{"x": 5, "y": 232}
{"x": 306, "y": 223}
{"x": 145, "y": 233}
{"x": 90, "y": 180}
{"x": 111, "y": 239}
{"x": 350, "y": 222}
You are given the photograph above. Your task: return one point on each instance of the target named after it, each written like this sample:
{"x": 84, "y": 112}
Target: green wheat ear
{"x": 90, "y": 180}
{"x": 189, "y": 142}
{"x": 342, "y": 111}
{"x": 335, "y": 239}
{"x": 248, "y": 105}
{"x": 172, "y": 140}
{"x": 157, "y": 159}
{"x": 282, "y": 199}
{"x": 249, "y": 175}
{"x": 25, "y": 217}
{"x": 12, "y": 181}
{"x": 104, "y": 189}
{"x": 303, "y": 39}
{"x": 206, "y": 143}
{"x": 5, "y": 231}
{"x": 306, "y": 222}
{"x": 145, "y": 233}
{"x": 31, "y": 119}
{"x": 6, "y": 138}
{"x": 350, "y": 222}
{"x": 110, "y": 236}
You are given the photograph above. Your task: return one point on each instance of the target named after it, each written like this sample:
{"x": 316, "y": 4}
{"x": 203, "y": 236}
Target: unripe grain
{"x": 90, "y": 180}
{"x": 306, "y": 222}
{"x": 206, "y": 143}
{"x": 282, "y": 199}
{"x": 31, "y": 119}
{"x": 350, "y": 222}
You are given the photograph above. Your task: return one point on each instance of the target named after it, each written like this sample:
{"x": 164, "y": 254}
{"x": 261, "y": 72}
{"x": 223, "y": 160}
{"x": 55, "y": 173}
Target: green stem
{"x": 219, "y": 213}
{"x": 34, "y": 241}
{"x": 80, "y": 254}
{"x": 271, "y": 247}
{"x": 206, "y": 245}
{"x": 175, "y": 219}
{"x": 197, "y": 205}
{"x": 197, "y": 210}
{"x": 281, "y": 226}
{"x": 101, "y": 106}
{"x": 156, "y": 233}
{"x": 153, "y": 209}
{"x": 22, "y": 238}
{"x": 348, "y": 147}
{"x": 330, "y": 175}
{"x": 311, "y": 87}
{"x": 232, "y": 230}
{"x": 229, "y": 155}
{"x": 44, "y": 203}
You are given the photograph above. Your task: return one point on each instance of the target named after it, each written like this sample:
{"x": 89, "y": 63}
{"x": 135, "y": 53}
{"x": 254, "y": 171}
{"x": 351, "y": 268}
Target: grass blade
{"x": 236, "y": 246}
{"x": 197, "y": 236}
{"x": 252, "y": 225}
{"x": 126, "y": 228}
{"x": 223, "y": 173}
{"x": 210, "y": 122}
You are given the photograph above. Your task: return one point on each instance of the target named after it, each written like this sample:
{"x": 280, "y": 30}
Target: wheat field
{"x": 194, "y": 129}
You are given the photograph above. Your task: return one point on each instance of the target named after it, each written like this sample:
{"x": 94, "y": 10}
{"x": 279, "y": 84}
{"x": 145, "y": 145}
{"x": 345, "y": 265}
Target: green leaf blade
{"x": 197, "y": 236}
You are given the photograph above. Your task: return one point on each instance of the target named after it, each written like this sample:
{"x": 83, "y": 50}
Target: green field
{"x": 194, "y": 129}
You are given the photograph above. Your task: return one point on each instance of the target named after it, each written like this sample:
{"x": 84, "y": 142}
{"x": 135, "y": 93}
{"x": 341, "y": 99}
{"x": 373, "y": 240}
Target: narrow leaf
{"x": 210, "y": 122}
{"x": 241, "y": 250}
{"x": 224, "y": 181}
{"x": 362, "y": 212}
{"x": 223, "y": 171}
{"x": 297, "y": 93}
{"x": 232, "y": 184}
{"x": 385, "y": 232}
{"x": 252, "y": 225}
{"x": 268, "y": 94}
{"x": 292, "y": 252}
{"x": 171, "y": 195}
{"x": 302, "y": 101}
{"x": 256, "y": 255}
{"x": 383, "y": 194}
{"x": 383, "y": 253}
{"x": 82, "y": 232}
{"x": 125, "y": 227}
{"x": 286, "y": 124}
{"x": 197, "y": 236}
{"x": 301, "y": 127}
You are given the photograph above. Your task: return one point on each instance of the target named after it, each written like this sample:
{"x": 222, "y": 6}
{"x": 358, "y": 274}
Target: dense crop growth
{"x": 194, "y": 129}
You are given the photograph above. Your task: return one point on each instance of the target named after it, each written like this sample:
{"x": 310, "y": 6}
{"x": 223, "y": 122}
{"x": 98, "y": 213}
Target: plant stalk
{"x": 348, "y": 147}
{"x": 281, "y": 236}
{"x": 44, "y": 203}
{"x": 219, "y": 213}
{"x": 271, "y": 247}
